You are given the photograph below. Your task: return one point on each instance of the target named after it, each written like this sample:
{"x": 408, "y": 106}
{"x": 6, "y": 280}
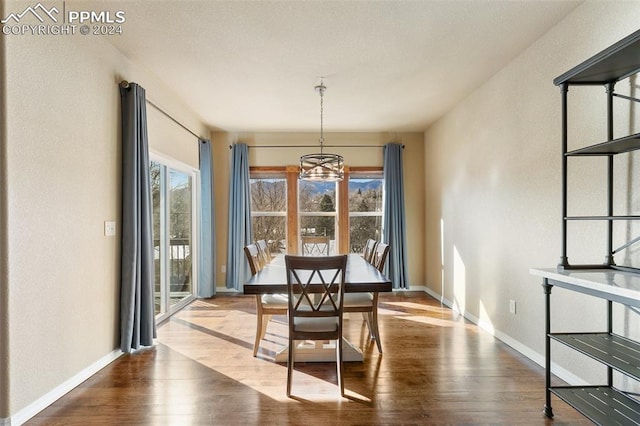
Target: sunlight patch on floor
{"x": 177, "y": 334}
{"x": 437, "y": 322}
{"x": 416, "y": 306}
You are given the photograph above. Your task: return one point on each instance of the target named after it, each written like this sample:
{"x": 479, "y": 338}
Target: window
{"x": 317, "y": 211}
{"x": 174, "y": 226}
{"x": 365, "y": 209}
{"x": 315, "y": 218}
{"x": 269, "y": 210}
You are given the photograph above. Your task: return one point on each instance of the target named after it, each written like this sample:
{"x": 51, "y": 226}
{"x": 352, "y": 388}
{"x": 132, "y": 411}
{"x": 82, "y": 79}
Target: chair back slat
{"x": 263, "y": 250}
{"x": 380, "y": 256}
{"x": 316, "y": 285}
{"x": 253, "y": 257}
{"x": 369, "y": 249}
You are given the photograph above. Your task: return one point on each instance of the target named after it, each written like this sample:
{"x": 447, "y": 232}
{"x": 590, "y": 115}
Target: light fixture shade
{"x": 322, "y": 167}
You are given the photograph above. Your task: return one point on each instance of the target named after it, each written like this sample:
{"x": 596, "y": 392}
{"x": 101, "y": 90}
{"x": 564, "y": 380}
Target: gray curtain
{"x": 240, "y": 232}
{"x": 394, "y": 226}
{"x": 207, "y": 268}
{"x": 137, "y": 317}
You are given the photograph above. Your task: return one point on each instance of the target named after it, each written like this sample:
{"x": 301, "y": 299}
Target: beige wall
{"x": 63, "y": 175}
{"x": 4, "y": 279}
{"x": 414, "y": 184}
{"x": 493, "y": 185}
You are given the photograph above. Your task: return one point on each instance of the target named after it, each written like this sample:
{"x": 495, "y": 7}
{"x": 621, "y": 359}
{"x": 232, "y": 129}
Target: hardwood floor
{"x": 437, "y": 369}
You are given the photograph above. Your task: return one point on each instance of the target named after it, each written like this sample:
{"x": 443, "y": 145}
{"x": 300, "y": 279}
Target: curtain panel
{"x": 394, "y": 224}
{"x": 240, "y": 232}
{"x": 137, "y": 317}
{"x": 207, "y": 269}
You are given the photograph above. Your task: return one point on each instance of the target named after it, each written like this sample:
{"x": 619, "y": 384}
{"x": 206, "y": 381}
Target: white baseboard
{"x": 534, "y": 356}
{"x": 49, "y": 398}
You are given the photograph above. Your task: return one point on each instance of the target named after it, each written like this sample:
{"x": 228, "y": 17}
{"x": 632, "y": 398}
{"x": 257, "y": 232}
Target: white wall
{"x": 493, "y": 203}
{"x": 63, "y": 174}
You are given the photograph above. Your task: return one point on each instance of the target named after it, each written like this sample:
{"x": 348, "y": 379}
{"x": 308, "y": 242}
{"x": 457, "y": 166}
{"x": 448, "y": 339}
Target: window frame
{"x": 342, "y": 202}
{"x": 168, "y": 163}
{"x": 271, "y": 173}
{"x": 361, "y": 173}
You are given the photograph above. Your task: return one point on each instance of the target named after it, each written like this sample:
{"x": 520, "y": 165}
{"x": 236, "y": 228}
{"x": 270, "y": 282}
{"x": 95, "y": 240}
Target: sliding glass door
{"x": 174, "y": 227}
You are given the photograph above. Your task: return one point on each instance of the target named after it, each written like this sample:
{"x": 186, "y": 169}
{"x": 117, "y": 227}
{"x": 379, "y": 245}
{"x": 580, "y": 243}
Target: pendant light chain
{"x": 321, "y": 167}
{"x": 321, "y": 88}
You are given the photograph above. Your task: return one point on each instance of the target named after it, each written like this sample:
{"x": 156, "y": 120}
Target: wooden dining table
{"x": 360, "y": 277}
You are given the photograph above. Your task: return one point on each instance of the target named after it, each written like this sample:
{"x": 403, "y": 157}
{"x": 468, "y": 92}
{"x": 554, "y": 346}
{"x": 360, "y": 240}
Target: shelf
{"x": 612, "y": 64}
{"x": 614, "y": 351}
{"x": 601, "y": 404}
{"x": 605, "y": 283}
{"x": 615, "y": 146}
{"x": 602, "y": 218}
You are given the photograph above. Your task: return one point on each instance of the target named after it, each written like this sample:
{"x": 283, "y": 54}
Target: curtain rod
{"x": 311, "y": 146}
{"x": 125, "y": 85}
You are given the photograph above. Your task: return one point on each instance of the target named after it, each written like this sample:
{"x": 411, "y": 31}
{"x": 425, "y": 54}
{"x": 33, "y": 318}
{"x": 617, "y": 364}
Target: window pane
{"x": 365, "y": 195}
{"x": 362, "y": 228}
{"x": 317, "y": 196}
{"x": 272, "y": 229}
{"x": 269, "y": 212}
{"x": 268, "y": 195}
{"x": 365, "y": 211}
{"x": 154, "y": 170}
{"x": 179, "y": 235}
{"x": 317, "y": 204}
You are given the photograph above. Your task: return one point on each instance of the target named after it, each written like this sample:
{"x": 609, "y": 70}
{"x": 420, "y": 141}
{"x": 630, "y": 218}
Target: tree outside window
{"x": 269, "y": 211}
{"x": 365, "y": 211}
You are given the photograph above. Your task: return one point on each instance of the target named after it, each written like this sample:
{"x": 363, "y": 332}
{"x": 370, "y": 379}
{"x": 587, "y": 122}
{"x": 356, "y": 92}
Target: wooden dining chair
{"x": 266, "y": 304}
{"x": 263, "y": 250}
{"x": 369, "y": 249}
{"x": 316, "y": 295}
{"x": 367, "y": 303}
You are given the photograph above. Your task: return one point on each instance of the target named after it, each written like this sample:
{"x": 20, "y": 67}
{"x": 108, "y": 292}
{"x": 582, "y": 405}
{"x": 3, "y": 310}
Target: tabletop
{"x": 360, "y": 277}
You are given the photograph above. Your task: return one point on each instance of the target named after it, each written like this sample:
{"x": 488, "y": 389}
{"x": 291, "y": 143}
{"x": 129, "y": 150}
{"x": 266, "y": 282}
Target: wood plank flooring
{"x": 436, "y": 369}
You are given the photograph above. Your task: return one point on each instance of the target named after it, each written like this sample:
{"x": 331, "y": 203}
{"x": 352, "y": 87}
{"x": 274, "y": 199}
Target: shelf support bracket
{"x": 547, "y": 410}
{"x": 564, "y": 262}
{"x": 609, "y": 260}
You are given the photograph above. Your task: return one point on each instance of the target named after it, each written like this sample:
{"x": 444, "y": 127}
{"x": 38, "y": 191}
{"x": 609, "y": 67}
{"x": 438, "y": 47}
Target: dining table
{"x": 360, "y": 277}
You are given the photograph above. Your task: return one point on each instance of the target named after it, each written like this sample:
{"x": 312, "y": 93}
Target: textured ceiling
{"x": 388, "y": 65}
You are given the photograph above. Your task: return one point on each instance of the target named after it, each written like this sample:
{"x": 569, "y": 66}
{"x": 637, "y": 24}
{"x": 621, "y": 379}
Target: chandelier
{"x": 321, "y": 167}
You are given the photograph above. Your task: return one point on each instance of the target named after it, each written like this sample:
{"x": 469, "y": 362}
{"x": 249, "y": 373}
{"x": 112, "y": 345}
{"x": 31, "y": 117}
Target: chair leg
{"x": 259, "y": 333}
{"x": 340, "y": 366}
{"x": 290, "y": 361}
{"x": 376, "y": 332}
{"x": 265, "y": 323}
{"x": 366, "y": 316}
{"x": 374, "y": 322}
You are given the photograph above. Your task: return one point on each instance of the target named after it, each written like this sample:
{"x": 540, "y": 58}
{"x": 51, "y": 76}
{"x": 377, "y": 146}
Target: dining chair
{"x": 367, "y": 303}
{"x": 316, "y": 295}
{"x": 263, "y": 250}
{"x": 266, "y": 304}
{"x": 369, "y": 248}
{"x": 379, "y": 256}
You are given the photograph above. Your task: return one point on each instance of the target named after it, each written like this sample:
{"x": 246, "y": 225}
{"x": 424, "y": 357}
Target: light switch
{"x": 109, "y": 228}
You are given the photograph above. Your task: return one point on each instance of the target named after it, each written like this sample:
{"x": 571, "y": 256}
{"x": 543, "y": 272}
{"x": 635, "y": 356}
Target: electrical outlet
{"x": 223, "y": 269}
{"x": 512, "y": 306}
{"x": 109, "y": 228}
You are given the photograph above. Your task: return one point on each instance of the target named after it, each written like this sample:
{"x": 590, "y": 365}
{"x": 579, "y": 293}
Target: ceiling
{"x": 390, "y": 66}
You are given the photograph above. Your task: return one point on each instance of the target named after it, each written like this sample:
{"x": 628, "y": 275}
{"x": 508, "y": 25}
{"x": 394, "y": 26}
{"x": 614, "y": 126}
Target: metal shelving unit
{"x": 608, "y": 67}
{"x": 602, "y": 404}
